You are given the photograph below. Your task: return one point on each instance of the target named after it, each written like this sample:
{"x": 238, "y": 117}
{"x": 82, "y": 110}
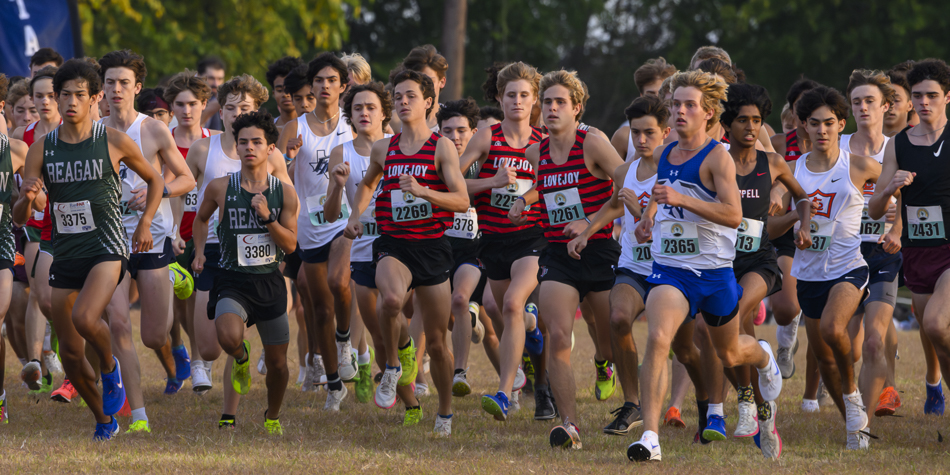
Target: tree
{"x": 453, "y": 46}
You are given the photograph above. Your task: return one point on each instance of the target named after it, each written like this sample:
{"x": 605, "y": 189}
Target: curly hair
{"x": 930, "y": 69}
{"x": 740, "y": 95}
{"x": 569, "y": 80}
{"x": 490, "y": 86}
{"x": 822, "y": 96}
{"x": 245, "y": 86}
{"x": 282, "y": 67}
{"x": 713, "y": 91}
{"x": 260, "y": 119}
{"x": 376, "y": 87}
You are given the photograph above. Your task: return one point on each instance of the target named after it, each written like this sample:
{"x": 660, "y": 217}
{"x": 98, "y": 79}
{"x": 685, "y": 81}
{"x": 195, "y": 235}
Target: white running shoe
{"x": 769, "y": 440}
{"x": 385, "y": 397}
{"x": 334, "y": 398}
{"x": 52, "y": 362}
{"x": 478, "y": 328}
{"x": 261, "y": 367}
{"x": 770, "y": 377}
{"x": 309, "y": 374}
{"x": 520, "y": 380}
{"x": 422, "y": 389}
{"x": 644, "y": 451}
{"x": 443, "y": 426}
{"x": 747, "y": 426}
{"x": 786, "y": 360}
{"x": 319, "y": 371}
{"x": 460, "y": 386}
{"x": 855, "y": 415}
{"x": 824, "y": 397}
{"x": 859, "y": 440}
{"x": 47, "y": 338}
{"x": 810, "y": 405}
{"x": 349, "y": 371}
{"x": 200, "y": 377}
{"x": 513, "y": 402}
{"x": 301, "y": 375}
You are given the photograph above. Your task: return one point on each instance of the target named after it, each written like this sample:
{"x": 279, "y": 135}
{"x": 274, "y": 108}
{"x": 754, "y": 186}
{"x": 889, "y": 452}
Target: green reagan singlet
{"x": 84, "y": 191}
{"x": 7, "y": 245}
{"x": 246, "y": 245}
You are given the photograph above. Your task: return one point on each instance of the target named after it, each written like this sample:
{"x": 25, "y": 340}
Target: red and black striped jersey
{"x": 402, "y": 215}
{"x": 46, "y": 224}
{"x": 792, "y": 150}
{"x": 567, "y": 190}
{"x": 493, "y": 205}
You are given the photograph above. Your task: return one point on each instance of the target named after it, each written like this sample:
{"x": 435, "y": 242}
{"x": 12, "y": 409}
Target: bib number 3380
{"x": 256, "y": 250}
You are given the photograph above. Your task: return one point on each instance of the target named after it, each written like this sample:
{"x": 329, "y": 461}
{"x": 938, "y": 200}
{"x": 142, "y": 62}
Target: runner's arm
{"x": 284, "y": 231}
{"x": 31, "y": 191}
{"x": 893, "y": 180}
{"x": 182, "y": 180}
{"x": 339, "y": 171}
{"x": 365, "y": 189}
{"x": 199, "y": 228}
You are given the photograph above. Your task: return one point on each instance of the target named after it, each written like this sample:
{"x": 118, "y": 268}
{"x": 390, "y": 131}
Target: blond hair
{"x": 517, "y": 72}
{"x": 868, "y": 77}
{"x": 245, "y": 86}
{"x": 569, "y": 80}
{"x": 358, "y": 68}
{"x": 713, "y": 91}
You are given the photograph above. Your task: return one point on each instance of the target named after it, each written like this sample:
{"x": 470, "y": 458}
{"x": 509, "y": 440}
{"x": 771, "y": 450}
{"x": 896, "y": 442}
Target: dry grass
{"x": 44, "y": 436}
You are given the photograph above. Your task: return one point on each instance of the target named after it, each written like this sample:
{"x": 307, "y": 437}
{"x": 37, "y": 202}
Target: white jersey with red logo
{"x": 633, "y": 256}
{"x": 871, "y": 230}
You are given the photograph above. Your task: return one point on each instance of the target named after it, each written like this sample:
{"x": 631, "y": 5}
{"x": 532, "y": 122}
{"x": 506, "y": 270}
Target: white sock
{"x": 650, "y": 437}
{"x": 363, "y": 358}
{"x": 939, "y": 382}
{"x": 139, "y": 415}
{"x": 714, "y": 410}
{"x": 856, "y": 393}
{"x": 787, "y": 334}
{"x": 306, "y": 361}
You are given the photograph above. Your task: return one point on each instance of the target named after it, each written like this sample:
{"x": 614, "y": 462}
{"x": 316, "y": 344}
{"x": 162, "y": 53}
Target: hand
{"x": 259, "y": 204}
{"x": 504, "y": 177}
{"x": 516, "y": 213}
{"x": 576, "y": 246}
{"x": 803, "y": 238}
{"x": 666, "y": 195}
{"x": 353, "y": 229}
{"x": 777, "y": 201}
{"x": 891, "y": 242}
{"x": 142, "y": 237}
{"x": 575, "y": 228}
{"x": 178, "y": 246}
{"x": 891, "y": 213}
{"x": 31, "y": 187}
{"x": 409, "y": 183}
{"x": 198, "y": 264}
{"x": 901, "y": 179}
{"x": 644, "y": 231}
{"x": 137, "y": 202}
{"x": 629, "y": 199}
{"x": 340, "y": 173}
{"x": 293, "y": 146}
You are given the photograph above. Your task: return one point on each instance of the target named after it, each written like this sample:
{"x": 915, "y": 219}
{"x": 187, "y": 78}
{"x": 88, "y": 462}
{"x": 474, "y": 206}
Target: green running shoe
{"x": 182, "y": 280}
{"x": 241, "y": 372}
{"x": 364, "y": 384}
{"x": 140, "y": 426}
{"x": 413, "y": 416}
{"x": 606, "y": 381}
{"x": 273, "y": 426}
{"x": 407, "y": 359}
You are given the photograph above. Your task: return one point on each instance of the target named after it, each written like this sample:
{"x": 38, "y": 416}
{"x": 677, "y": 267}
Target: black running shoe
{"x": 627, "y": 417}
{"x": 544, "y": 408}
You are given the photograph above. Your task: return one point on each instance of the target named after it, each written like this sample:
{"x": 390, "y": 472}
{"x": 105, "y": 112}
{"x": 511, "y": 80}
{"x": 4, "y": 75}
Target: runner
{"x": 411, "y": 252}
{"x": 323, "y": 250}
{"x": 18, "y": 99}
{"x": 426, "y": 59}
{"x": 300, "y": 90}
{"x": 357, "y": 68}
{"x": 43, "y": 58}
{"x": 648, "y": 79}
{"x": 211, "y": 69}
{"x": 898, "y": 116}
{"x": 79, "y": 163}
{"x": 151, "y": 103}
{"x": 276, "y": 75}
{"x": 257, "y": 226}
{"x": 692, "y": 268}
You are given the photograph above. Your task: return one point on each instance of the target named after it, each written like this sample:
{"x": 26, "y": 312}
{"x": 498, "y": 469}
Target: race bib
{"x": 368, "y": 220}
{"x": 872, "y": 228}
{"x": 464, "y": 226}
{"x": 926, "y": 222}
{"x": 124, "y": 203}
{"x": 39, "y": 215}
{"x": 191, "y": 201}
{"x": 642, "y": 252}
{"x": 505, "y": 197}
{"x": 564, "y": 206}
{"x": 822, "y": 231}
{"x": 749, "y": 236}
{"x": 315, "y": 209}
{"x": 408, "y": 207}
{"x": 679, "y": 238}
{"x": 256, "y": 250}
{"x": 74, "y": 217}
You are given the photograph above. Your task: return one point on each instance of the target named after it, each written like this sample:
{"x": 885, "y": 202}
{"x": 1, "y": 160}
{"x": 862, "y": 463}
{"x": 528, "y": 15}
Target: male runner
{"x": 898, "y": 116}
{"x": 276, "y": 74}
{"x": 648, "y": 78}
{"x": 426, "y": 59}
{"x": 44, "y": 57}
{"x": 211, "y": 69}
{"x": 422, "y": 187}
{"x": 693, "y": 248}
{"x": 300, "y": 91}
{"x": 19, "y": 101}
{"x": 79, "y": 162}
{"x": 151, "y": 103}
{"x": 257, "y": 227}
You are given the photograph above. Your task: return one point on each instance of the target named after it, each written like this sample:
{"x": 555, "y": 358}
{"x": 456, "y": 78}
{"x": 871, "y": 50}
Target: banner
{"x": 28, "y": 25}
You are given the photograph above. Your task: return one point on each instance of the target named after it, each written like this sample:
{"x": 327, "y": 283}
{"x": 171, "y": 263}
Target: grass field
{"x": 49, "y": 437}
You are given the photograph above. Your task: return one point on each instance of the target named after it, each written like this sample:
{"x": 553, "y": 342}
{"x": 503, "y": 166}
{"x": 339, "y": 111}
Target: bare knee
{"x": 459, "y": 304}
{"x": 154, "y": 341}
{"x": 339, "y": 287}
{"x": 621, "y": 323}
{"x": 391, "y": 303}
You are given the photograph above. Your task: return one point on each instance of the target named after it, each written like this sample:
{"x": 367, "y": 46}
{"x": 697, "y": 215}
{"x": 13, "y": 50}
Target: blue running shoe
{"x": 935, "y": 401}
{"x": 496, "y": 405}
{"x": 172, "y": 386}
{"x": 182, "y": 363}
{"x": 106, "y": 431}
{"x": 533, "y": 340}
{"x": 113, "y": 392}
{"x": 715, "y": 428}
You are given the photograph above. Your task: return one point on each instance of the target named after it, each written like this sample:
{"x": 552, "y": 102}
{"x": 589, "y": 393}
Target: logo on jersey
{"x": 814, "y": 227}
{"x": 822, "y": 203}
{"x": 676, "y": 230}
{"x": 868, "y": 189}
{"x": 231, "y": 198}
{"x": 922, "y": 214}
{"x": 498, "y": 143}
{"x": 392, "y": 152}
{"x": 743, "y": 226}
{"x": 322, "y": 162}
{"x": 674, "y": 173}
{"x": 323, "y": 200}
{"x": 560, "y": 199}
{"x": 644, "y": 199}
{"x": 864, "y": 213}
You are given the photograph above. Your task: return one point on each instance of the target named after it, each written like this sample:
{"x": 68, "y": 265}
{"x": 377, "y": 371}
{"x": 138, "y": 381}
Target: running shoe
{"x": 385, "y": 397}
{"x": 182, "y": 362}
{"x": 172, "y": 386}
{"x": 824, "y": 397}
{"x": 140, "y": 426}
{"x": 644, "y": 451}
{"x": 310, "y": 378}
{"x": 420, "y": 390}
{"x": 770, "y": 377}
{"x": 859, "y": 440}
{"x": 534, "y": 340}
{"x": 496, "y": 405}
{"x": 53, "y": 365}
{"x": 348, "y": 368}
{"x": 520, "y": 380}
{"x": 230, "y": 423}
{"x": 443, "y": 426}
{"x": 241, "y": 372}
{"x": 514, "y": 402}
{"x": 544, "y": 407}
{"x": 261, "y": 367}
{"x": 183, "y": 283}
{"x": 407, "y": 360}
{"x": 301, "y": 375}
{"x": 200, "y": 376}
{"x": 767, "y": 437}
{"x": 478, "y": 328}
{"x": 748, "y": 424}
{"x": 66, "y": 393}
{"x": 855, "y": 413}
{"x": 810, "y": 405}
{"x": 126, "y": 410}
{"x": 626, "y": 418}
{"x": 273, "y": 426}
{"x": 4, "y": 411}
{"x": 715, "y": 428}
{"x": 606, "y": 381}
{"x": 364, "y": 384}
{"x": 31, "y": 374}
{"x": 888, "y": 403}
{"x": 334, "y": 398}
{"x": 460, "y": 386}
{"x": 565, "y": 436}
{"x": 786, "y": 360}
{"x": 46, "y": 385}
{"x": 528, "y": 368}
{"x": 413, "y": 416}
{"x": 935, "y": 401}
{"x": 106, "y": 431}
{"x": 674, "y": 418}
{"x": 113, "y": 391}
{"x": 761, "y": 314}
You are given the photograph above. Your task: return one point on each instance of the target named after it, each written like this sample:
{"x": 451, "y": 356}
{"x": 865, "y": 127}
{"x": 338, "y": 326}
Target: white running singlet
{"x": 217, "y": 165}
{"x": 163, "y": 222}
{"x": 636, "y": 257}
{"x": 871, "y": 230}
{"x": 362, "y": 248}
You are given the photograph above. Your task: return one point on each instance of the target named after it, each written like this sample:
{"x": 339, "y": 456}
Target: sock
{"x": 702, "y": 407}
{"x": 408, "y": 344}
{"x": 650, "y": 437}
{"x": 333, "y": 381}
{"x": 363, "y": 358}
{"x": 714, "y": 410}
{"x": 3, "y": 395}
{"x": 343, "y": 336}
{"x": 246, "y": 356}
{"x": 745, "y": 394}
{"x": 460, "y": 370}
{"x": 855, "y": 393}
{"x": 139, "y": 415}
{"x": 230, "y": 417}
{"x": 179, "y": 347}
{"x": 938, "y": 385}
{"x": 786, "y": 334}
{"x": 409, "y": 408}
{"x": 765, "y": 411}
{"x": 444, "y": 417}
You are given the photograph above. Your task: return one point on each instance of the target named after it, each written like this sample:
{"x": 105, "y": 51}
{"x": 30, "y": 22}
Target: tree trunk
{"x": 453, "y": 47}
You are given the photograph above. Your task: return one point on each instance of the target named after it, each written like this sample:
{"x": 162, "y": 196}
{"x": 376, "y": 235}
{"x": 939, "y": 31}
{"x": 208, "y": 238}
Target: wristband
{"x": 522, "y": 199}
{"x": 803, "y": 199}
{"x": 587, "y": 219}
{"x": 287, "y": 159}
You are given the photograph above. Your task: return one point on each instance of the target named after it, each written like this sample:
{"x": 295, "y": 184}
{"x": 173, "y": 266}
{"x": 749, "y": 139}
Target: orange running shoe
{"x": 673, "y": 418}
{"x": 65, "y": 393}
{"x": 888, "y": 403}
{"x": 19, "y": 260}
